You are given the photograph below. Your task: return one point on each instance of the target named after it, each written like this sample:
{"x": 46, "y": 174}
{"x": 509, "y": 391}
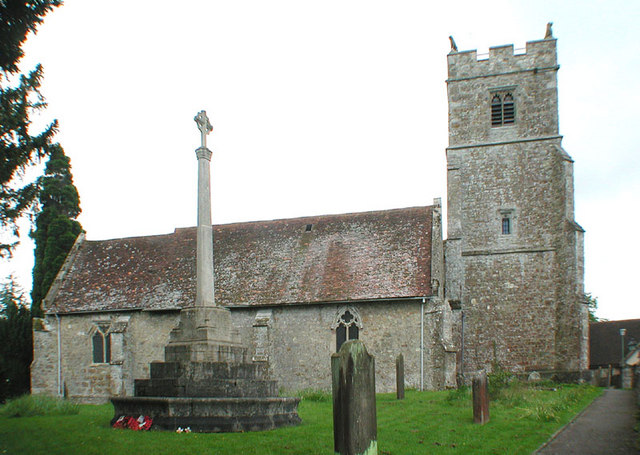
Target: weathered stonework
{"x": 388, "y": 329}
{"x": 295, "y": 363}
{"x": 521, "y": 292}
{"x": 132, "y": 350}
{"x": 450, "y": 308}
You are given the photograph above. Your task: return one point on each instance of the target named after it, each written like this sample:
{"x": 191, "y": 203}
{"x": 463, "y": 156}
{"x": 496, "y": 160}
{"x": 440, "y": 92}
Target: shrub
{"x": 499, "y": 380}
{"x": 33, "y": 405}
{"x": 515, "y": 394}
{"x": 314, "y": 395}
{"x": 459, "y": 394}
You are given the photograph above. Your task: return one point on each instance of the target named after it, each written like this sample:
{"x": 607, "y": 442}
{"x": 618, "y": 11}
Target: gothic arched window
{"x": 496, "y": 111}
{"x": 347, "y": 326}
{"x": 508, "y": 110}
{"x": 503, "y": 109}
{"x": 101, "y": 346}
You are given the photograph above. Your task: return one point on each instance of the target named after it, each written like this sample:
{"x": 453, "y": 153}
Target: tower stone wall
{"x": 514, "y": 252}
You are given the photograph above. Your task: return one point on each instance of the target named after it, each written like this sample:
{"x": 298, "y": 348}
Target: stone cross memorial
{"x": 204, "y": 254}
{"x": 206, "y": 382}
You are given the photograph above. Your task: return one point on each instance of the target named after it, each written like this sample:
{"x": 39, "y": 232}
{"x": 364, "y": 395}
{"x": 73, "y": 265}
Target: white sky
{"x": 323, "y": 107}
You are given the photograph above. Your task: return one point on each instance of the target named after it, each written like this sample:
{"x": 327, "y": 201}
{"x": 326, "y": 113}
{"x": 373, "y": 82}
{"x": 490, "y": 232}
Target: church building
{"x": 505, "y": 289}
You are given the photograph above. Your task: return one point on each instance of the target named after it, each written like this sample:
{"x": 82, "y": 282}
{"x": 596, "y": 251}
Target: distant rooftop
{"x": 605, "y": 342}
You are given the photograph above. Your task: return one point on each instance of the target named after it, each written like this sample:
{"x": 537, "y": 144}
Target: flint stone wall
{"x": 301, "y": 340}
{"x": 142, "y": 333}
{"x": 297, "y": 341}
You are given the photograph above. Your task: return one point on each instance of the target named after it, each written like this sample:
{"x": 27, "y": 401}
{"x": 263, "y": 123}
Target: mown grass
{"x": 424, "y": 422}
{"x": 35, "y": 405}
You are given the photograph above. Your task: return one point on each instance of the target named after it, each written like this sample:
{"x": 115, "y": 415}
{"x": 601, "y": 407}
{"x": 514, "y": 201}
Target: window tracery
{"x": 347, "y": 326}
{"x": 503, "y": 109}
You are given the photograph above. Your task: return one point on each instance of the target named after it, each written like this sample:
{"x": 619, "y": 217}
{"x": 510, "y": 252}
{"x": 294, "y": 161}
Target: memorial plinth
{"x": 206, "y": 382}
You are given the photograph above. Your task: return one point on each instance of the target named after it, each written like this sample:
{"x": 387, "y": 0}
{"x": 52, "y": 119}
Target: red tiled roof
{"x": 359, "y": 256}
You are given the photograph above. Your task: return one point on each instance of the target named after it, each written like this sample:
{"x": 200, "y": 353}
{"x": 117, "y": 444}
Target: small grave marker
{"x": 400, "y": 377}
{"x": 480, "y": 399}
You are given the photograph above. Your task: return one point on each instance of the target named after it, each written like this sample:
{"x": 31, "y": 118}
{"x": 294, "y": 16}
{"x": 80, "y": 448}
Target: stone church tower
{"x": 514, "y": 254}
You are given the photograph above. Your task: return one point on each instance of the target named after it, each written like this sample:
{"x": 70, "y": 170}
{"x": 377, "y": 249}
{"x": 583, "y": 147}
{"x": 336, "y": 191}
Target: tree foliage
{"x": 16, "y": 345}
{"x": 19, "y": 98}
{"x": 17, "y": 19}
{"x": 592, "y": 306}
{"x": 56, "y": 228}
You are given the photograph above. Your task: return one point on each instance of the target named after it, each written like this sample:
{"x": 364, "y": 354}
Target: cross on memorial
{"x": 205, "y": 127}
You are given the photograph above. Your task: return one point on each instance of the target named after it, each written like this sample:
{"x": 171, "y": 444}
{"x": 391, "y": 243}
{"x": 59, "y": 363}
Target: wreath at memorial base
{"x": 131, "y": 423}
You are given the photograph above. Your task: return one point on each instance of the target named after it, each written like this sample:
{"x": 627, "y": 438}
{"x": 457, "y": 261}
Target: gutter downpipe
{"x": 422, "y": 345}
{"x": 462, "y": 350}
{"x": 59, "y": 357}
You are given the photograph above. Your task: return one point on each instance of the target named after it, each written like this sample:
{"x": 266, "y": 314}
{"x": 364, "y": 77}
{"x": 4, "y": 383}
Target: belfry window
{"x": 101, "y": 347}
{"x": 503, "y": 109}
{"x": 496, "y": 110}
{"x": 347, "y": 327}
{"x": 508, "y": 110}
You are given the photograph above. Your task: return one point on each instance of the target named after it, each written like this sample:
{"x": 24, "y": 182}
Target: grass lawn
{"x": 425, "y": 422}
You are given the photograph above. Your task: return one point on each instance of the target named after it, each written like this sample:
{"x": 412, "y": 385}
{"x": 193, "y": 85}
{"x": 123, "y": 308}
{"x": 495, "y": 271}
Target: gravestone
{"x": 355, "y": 430}
{"x": 400, "y": 377}
{"x": 480, "y": 398}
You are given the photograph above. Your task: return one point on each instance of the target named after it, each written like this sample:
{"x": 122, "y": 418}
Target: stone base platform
{"x": 206, "y": 383}
{"x": 211, "y": 415}
{"x": 207, "y": 379}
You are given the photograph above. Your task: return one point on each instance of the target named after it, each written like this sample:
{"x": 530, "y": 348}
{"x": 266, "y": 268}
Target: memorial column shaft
{"x": 204, "y": 253}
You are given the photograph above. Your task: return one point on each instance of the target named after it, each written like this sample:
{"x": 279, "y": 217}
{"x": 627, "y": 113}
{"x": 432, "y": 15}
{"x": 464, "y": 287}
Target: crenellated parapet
{"x": 525, "y": 83}
{"x": 539, "y": 56}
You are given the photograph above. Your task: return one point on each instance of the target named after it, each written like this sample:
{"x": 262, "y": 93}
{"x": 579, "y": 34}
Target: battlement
{"x": 539, "y": 55}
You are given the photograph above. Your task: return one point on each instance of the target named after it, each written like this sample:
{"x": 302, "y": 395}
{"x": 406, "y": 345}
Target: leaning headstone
{"x": 480, "y": 398}
{"x": 534, "y": 376}
{"x": 355, "y": 430}
{"x": 400, "y": 377}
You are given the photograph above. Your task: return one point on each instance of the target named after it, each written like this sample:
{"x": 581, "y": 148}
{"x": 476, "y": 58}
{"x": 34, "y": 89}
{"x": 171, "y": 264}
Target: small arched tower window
{"x": 347, "y": 326}
{"x": 507, "y": 219}
{"x": 508, "y": 110}
{"x": 503, "y": 109}
{"x": 101, "y": 342}
{"x": 496, "y": 110}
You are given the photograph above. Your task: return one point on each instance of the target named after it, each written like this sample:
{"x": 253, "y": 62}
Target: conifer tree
{"x": 20, "y": 149}
{"x": 56, "y": 228}
{"x": 16, "y": 342}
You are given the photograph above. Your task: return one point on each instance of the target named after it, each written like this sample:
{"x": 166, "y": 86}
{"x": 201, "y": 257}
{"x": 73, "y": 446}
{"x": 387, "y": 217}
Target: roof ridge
{"x": 276, "y": 220}
{"x": 329, "y": 215}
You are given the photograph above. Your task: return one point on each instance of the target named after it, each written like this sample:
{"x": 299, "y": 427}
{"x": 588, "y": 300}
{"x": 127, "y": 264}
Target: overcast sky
{"x": 323, "y": 107}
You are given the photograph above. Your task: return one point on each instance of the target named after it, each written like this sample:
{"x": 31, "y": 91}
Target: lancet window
{"x": 101, "y": 343}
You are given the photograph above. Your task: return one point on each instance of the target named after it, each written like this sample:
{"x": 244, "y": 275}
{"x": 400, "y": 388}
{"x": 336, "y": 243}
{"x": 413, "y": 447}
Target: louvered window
{"x": 503, "y": 109}
{"x": 496, "y": 111}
